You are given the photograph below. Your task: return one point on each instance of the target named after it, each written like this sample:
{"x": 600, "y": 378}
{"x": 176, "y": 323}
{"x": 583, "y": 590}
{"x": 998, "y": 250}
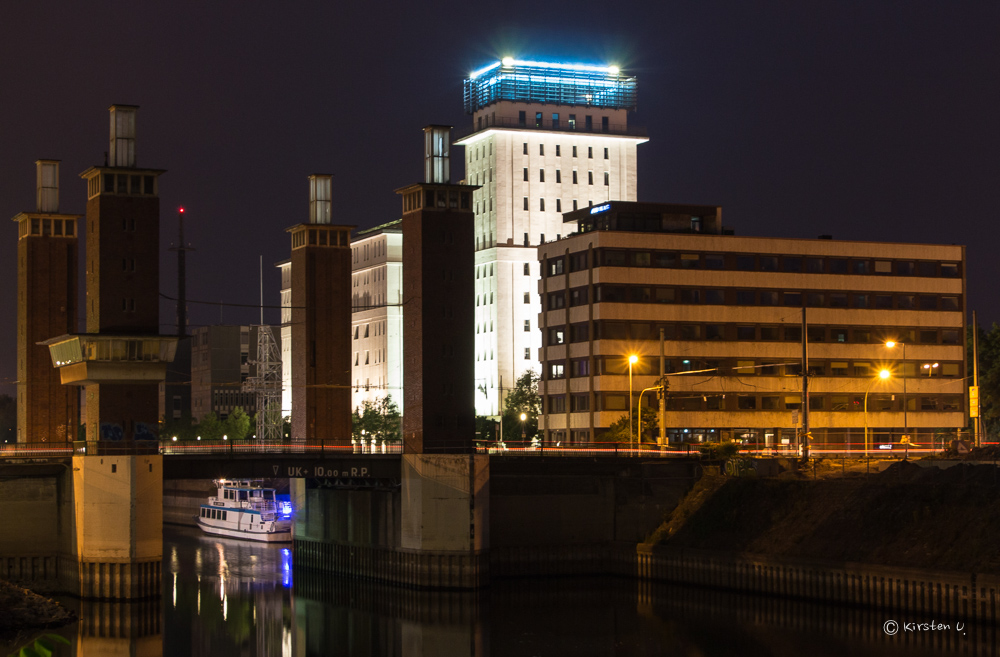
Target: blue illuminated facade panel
{"x": 559, "y": 84}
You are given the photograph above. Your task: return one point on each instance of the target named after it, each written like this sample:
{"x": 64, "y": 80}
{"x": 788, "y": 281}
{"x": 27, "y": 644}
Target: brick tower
{"x": 47, "y": 243}
{"x": 321, "y": 322}
{"x": 438, "y": 347}
{"x": 123, "y": 287}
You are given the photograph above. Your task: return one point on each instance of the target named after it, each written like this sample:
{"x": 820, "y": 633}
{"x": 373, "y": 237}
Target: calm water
{"x": 225, "y": 598}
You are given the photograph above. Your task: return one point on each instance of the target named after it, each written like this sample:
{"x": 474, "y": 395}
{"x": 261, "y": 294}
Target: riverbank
{"x": 23, "y": 614}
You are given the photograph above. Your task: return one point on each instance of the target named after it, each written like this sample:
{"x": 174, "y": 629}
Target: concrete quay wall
{"x": 963, "y": 596}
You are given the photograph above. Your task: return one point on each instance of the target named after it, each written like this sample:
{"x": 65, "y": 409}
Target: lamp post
{"x": 524, "y": 417}
{"x": 883, "y": 374}
{"x": 890, "y": 344}
{"x": 639, "y": 413}
{"x": 632, "y": 360}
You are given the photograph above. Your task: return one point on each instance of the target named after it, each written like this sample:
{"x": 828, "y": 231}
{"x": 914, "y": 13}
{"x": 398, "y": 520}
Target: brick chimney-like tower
{"x": 123, "y": 276}
{"x": 438, "y": 292}
{"x": 321, "y": 322}
{"x": 47, "y": 411}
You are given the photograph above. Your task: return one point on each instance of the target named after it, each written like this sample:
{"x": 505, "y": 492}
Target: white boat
{"x": 244, "y": 509}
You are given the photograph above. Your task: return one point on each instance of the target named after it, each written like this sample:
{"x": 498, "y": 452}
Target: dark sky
{"x": 866, "y": 120}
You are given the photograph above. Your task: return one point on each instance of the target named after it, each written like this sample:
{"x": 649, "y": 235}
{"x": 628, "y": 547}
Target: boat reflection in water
{"x": 225, "y": 597}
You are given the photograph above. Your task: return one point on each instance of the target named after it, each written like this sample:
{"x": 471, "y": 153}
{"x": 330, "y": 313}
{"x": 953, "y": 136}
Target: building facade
{"x": 731, "y": 313}
{"x": 221, "y": 358}
{"x": 377, "y": 314}
{"x": 545, "y": 139}
{"x": 285, "y": 337}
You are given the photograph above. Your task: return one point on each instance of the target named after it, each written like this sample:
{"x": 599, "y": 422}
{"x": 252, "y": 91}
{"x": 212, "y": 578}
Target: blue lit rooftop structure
{"x": 542, "y": 82}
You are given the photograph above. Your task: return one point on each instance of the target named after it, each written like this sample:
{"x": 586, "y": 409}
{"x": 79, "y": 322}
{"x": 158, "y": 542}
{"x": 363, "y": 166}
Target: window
{"x": 768, "y": 263}
{"x": 714, "y": 332}
{"x": 745, "y": 263}
{"x": 541, "y": 206}
{"x": 716, "y": 297}
{"x": 690, "y": 260}
{"x": 558, "y": 207}
{"x": 525, "y": 148}
{"x": 928, "y": 302}
{"x": 746, "y": 402}
{"x": 579, "y": 332}
{"x": 590, "y": 150}
{"x": 793, "y": 298}
{"x": 527, "y": 269}
{"x": 538, "y": 119}
{"x": 860, "y": 267}
{"x": 714, "y": 261}
{"x": 557, "y": 155}
{"x": 555, "y": 266}
{"x": 557, "y": 300}
{"x": 541, "y": 147}
{"x": 557, "y": 370}
{"x": 746, "y": 297}
{"x": 838, "y": 300}
{"x": 905, "y": 269}
{"x": 769, "y": 332}
{"x": 838, "y": 368}
{"x": 949, "y": 303}
{"x": 769, "y": 298}
{"x": 949, "y": 269}
{"x": 525, "y": 174}
{"x": 527, "y": 297}
{"x": 607, "y": 178}
{"x": 605, "y": 153}
{"x": 527, "y": 353}
{"x": 838, "y": 266}
{"x": 558, "y": 175}
{"x": 580, "y": 402}
{"x": 590, "y": 177}
{"x": 526, "y": 207}
{"x": 814, "y": 265}
{"x": 745, "y": 333}
{"x": 792, "y": 264}
{"x": 578, "y": 296}
{"x": 579, "y": 367}
{"x": 522, "y": 120}
{"x": 574, "y": 200}
{"x": 527, "y": 326}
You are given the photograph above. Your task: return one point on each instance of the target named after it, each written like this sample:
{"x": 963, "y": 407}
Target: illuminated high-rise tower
{"x": 546, "y": 139}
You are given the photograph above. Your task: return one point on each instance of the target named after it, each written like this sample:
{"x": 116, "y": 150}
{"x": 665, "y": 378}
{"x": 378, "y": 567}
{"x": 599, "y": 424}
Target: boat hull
{"x": 283, "y": 536}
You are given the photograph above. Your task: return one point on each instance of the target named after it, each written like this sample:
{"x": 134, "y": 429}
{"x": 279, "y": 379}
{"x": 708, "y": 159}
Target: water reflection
{"x": 223, "y": 597}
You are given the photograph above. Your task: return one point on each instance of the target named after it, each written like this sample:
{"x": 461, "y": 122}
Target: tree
{"x": 236, "y": 425}
{"x": 379, "y": 420}
{"x": 522, "y": 398}
{"x": 989, "y": 377}
{"x": 618, "y": 431}
{"x": 183, "y": 427}
{"x": 209, "y": 427}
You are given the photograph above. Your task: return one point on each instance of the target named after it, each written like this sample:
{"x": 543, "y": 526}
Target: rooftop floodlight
{"x": 613, "y": 70}
{"x": 507, "y": 61}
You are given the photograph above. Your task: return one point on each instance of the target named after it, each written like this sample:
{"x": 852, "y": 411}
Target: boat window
{"x": 243, "y": 495}
{"x": 224, "y": 514}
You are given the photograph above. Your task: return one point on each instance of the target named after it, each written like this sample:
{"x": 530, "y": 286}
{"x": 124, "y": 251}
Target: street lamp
{"x": 890, "y": 344}
{"x": 632, "y": 360}
{"x": 524, "y": 416}
{"x": 641, "y": 395}
{"x": 883, "y": 374}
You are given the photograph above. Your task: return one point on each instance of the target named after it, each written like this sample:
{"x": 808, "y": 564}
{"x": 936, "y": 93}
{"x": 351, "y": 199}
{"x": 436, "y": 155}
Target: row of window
{"x": 753, "y": 262}
{"x": 620, "y": 330}
{"x": 122, "y": 184}
{"x": 605, "y": 401}
{"x": 48, "y": 227}
{"x": 590, "y": 176}
{"x": 214, "y": 514}
{"x": 610, "y": 365}
{"x": 753, "y": 297}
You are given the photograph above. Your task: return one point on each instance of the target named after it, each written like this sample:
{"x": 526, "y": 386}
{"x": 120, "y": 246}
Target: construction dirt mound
{"x": 907, "y": 515}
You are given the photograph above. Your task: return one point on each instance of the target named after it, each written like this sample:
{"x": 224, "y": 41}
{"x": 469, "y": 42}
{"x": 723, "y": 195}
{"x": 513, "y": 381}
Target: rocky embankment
{"x": 22, "y": 613}
{"x": 906, "y": 516}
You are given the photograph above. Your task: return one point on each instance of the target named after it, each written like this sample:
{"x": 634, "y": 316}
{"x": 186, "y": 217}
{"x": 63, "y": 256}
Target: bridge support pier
{"x": 119, "y": 525}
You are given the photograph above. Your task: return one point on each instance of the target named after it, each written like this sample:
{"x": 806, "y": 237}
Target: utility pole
{"x": 805, "y": 387}
{"x": 976, "y": 426}
{"x": 662, "y": 394}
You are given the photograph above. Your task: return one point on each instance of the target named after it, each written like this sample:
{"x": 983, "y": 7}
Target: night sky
{"x": 864, "y": 120}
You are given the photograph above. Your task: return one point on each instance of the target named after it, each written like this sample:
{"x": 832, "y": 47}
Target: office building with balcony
{"x": 377, "y": 314}
{"x": 731, "y": 311}
{"x": 546, "y": 138}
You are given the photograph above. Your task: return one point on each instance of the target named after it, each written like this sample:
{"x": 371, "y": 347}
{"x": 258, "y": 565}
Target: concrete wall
{"x": 182, "y": 499}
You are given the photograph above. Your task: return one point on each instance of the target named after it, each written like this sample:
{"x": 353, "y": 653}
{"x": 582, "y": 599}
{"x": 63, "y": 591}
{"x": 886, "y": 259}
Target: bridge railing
{"x": 332, "y": 448}
{"x": 35, "y": 450}
{"x": 528, "y": 448}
